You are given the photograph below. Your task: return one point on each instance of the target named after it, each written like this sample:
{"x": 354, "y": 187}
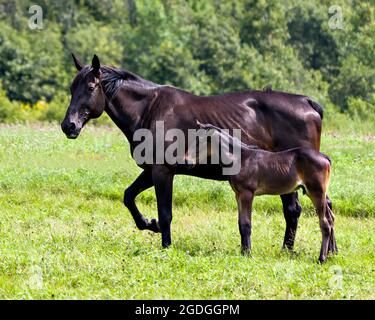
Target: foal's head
{"x": 87, "y": 98}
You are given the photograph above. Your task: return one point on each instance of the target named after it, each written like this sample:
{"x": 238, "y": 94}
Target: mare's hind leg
{"x": 244, "y": 203}
{"x": 143, "y": 182}
{"x": 292, "y": 211}
{"x": 332, "y": 246}
{"x": 321, "y": 208}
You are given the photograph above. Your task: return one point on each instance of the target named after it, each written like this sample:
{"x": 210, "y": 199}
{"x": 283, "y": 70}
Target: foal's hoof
{"x": 154, "y": 226}
{"x": 322, "y": 259}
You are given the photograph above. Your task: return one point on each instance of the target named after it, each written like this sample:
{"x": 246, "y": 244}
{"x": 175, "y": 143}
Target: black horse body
{"x": 269, "y": 119}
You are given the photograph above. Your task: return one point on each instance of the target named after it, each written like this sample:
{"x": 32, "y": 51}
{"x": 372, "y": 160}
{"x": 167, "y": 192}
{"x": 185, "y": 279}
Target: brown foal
{"x": 276, "y": 173}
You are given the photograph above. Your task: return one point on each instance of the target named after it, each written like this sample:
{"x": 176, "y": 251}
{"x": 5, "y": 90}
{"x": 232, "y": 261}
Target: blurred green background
{"x": 206, "y": 47}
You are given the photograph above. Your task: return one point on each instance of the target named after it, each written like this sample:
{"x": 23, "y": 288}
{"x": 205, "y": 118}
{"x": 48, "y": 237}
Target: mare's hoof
{"x": 246, "y": 252}
{"x": 154, "y": 226}
{"x": 142, "y": 225}
{"x": 333, "y": 248}
{"x": 287, "y": 247}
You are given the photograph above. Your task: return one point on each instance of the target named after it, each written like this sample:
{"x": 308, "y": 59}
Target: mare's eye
{"x": 85, "y": 112}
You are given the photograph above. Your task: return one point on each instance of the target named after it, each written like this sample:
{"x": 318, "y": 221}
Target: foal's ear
{"x": 77, "y": 63}
{"x": 95, "y": 66}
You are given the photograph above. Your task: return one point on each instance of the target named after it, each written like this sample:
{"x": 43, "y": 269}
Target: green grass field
{"x": 64, "y": 232}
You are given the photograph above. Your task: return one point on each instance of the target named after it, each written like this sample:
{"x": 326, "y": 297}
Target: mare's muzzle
{"x": 70, "y": 129}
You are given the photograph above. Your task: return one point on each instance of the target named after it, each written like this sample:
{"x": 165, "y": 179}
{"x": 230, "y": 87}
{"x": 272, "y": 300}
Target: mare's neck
{"x": 127, "y": 108}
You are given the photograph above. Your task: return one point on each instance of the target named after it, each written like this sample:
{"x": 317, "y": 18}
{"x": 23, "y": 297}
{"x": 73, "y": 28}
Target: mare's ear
{"x": 95, "y": 66}
{"x": 77, "y": 63}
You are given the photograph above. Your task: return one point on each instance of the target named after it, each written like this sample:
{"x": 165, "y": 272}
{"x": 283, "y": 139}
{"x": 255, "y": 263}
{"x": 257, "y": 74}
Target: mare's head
{"x": 87, "y": 98}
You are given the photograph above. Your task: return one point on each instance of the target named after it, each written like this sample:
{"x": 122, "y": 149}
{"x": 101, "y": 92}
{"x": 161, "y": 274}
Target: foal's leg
{"x": 143, "y": 182}
{"x": 321, "y": 207}
{"x": 292, "y": 211}
{"x": 244, "y": 203}
{"x": 332, "y": 246}
{"x": 163, "y": 182}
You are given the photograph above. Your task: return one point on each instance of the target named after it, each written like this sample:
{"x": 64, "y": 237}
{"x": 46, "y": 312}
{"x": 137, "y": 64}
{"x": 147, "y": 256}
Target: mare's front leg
{"x": 292, "y": 211}
{"x": 163, "y": 182}
{"x": 143, "y": 182}
{"x": 244, "y": 203}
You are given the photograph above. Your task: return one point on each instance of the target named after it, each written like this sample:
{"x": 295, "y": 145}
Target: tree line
{"x": 206, "y": 47}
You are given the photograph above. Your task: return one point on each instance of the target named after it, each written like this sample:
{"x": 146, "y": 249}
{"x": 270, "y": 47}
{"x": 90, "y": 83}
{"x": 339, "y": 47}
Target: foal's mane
{"x": 234, "y": 140}
{"x": 113, "y": 78}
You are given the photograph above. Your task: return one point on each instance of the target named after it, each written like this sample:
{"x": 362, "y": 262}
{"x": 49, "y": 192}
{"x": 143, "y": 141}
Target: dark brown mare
{"x": 275, "y": 173}
{"x": 269, "y": 119}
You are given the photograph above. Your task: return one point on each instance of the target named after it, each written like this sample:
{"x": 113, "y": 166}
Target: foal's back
{"x": 272, "y": 173}
{"x": 283, "y": 172}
